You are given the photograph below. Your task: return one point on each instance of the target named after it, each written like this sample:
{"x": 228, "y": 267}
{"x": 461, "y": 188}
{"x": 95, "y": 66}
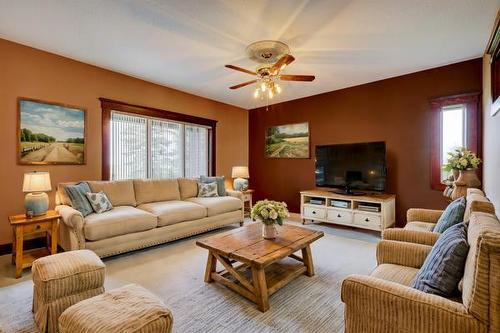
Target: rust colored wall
{"x": 395, "y": 110}
{"x": 32, "y": 73}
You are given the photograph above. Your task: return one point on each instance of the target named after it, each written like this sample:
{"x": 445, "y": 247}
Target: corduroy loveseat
{"x": 385, "y": 302}
{"x": 146, "y": 212}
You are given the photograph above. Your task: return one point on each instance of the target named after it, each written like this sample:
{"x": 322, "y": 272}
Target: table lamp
{"x": 240, "y": 175}
{"x": 35, "y": 184}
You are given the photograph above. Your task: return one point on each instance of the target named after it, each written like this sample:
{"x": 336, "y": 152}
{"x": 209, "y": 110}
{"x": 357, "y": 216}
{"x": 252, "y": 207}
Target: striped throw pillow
{"x": 452, "y": 215}
{"x": 77, "y": 195}
{"x": 444, "y": 266}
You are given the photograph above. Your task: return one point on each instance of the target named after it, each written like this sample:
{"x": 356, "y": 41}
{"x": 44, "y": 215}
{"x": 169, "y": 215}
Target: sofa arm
{"x": 423, "y": 215}
{"x": 377, "y": 305}
{"x": 410, "y": 236}
{"x": 71, "y": 217}
{"x": 236, "y": 194}
{"x": 402, "y": 253}
{"x": 71, "y": 236}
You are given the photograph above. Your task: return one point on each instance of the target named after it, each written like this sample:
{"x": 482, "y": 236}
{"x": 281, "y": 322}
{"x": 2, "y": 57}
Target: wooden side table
{"x": 21, "y": 226}
{"x": 247, "y": 201}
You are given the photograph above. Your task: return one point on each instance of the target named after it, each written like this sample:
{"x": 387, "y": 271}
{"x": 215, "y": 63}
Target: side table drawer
{"x": 247, "y": 197}
{"x": 36, "y": 227}
{"x": 314, "y": 213}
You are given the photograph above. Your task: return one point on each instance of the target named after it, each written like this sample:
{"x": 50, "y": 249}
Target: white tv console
{"x": 383, "y": 215}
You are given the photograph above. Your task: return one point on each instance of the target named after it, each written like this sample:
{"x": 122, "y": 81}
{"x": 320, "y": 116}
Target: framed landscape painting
{"x": 50, "y": 133}
{"x": 288, "y": 141}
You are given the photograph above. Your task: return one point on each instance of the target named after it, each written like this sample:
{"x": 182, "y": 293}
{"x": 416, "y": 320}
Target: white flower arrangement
{"x": 270, "y": 212}
{"x": 461, "y": 159}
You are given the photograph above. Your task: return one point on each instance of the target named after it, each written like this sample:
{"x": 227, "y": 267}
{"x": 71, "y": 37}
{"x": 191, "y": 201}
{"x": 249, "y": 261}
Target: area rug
{"x": 174, "y": 272}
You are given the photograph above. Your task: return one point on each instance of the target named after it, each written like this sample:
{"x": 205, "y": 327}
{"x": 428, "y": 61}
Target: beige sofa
{"x": 146, "y": 212}
{"x": 385, "y": 302}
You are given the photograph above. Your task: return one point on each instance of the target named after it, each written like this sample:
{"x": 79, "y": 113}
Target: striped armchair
{"x": 385, "y": 302}
{"x": 421, "y": 222}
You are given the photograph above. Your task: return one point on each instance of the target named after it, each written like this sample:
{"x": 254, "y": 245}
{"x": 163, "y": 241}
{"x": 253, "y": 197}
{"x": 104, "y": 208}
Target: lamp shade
{"x": 36, "y": 182}
{"x": 240, "y": 172}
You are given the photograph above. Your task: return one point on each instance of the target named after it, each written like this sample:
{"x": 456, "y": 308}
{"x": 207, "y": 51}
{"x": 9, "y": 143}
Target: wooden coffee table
{"x": 264, "y": 266}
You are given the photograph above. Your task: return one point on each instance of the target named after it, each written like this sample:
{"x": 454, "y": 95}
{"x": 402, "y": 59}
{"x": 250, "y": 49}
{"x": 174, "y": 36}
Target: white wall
{"x": 491, "y": 141}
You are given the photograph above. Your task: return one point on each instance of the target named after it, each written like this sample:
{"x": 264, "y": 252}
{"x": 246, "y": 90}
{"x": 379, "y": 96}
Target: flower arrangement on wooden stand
{"x": 463, "y": 163}
{"x": 270, "y": 213}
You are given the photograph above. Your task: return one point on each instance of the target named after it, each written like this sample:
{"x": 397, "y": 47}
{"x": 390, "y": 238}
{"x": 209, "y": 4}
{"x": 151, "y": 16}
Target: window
{"x": 455, "y": 123}
{"x": 453, "y": 131}
{"x": 140, "y": 142}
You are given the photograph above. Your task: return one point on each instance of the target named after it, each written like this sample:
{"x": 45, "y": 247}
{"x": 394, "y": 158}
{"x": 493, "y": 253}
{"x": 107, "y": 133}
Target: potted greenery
{"x": 464, "y": 162}
{"x": 270, "y": 213}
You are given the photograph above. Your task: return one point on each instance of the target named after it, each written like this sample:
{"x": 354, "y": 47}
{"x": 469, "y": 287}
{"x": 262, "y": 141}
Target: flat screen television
{"x": 351, "y": 167}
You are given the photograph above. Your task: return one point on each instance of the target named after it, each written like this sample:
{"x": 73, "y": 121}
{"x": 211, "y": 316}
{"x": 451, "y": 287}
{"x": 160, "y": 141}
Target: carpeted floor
{"x": 174, "y": 272}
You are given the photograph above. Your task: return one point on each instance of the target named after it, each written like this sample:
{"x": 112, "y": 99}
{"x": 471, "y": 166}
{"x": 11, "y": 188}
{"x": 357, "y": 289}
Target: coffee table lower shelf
{"x": 257, "y": 284}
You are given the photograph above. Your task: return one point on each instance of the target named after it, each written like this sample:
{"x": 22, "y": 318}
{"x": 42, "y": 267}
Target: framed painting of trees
{"x": 288, "y": 141}
{"x": 50, "y": 133}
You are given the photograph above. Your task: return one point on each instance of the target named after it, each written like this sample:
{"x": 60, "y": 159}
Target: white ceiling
{"x": 184, "y": 44}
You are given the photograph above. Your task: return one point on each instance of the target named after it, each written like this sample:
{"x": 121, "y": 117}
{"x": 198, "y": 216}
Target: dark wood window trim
{"x": 493, "y": 49}
{"x": 473, "y": 121}
{"x": 109, "y": 105}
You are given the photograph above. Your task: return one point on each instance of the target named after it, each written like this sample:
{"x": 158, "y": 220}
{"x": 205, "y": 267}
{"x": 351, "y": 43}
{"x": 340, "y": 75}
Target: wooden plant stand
{"x": 264, "y": 266}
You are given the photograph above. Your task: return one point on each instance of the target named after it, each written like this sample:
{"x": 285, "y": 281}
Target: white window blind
{"x": 196, "y": 142}
{"x": 128, "y": 146}
{"x": 145, "y": 147}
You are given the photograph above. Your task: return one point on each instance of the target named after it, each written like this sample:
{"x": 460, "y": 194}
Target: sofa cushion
{"x": 444, "y": 266}
{"x": 171, "y": 212}
{"x": 188, "y": 187}
{"x": 218, "y": 205}
{"x": 154, "y": 190}
{"x": 420, "y": 226}
{"x": 118, "y": 221}
{"x": 119, "y": 192}
{"x": 396, "y": 273}
{"x": 78, "y": 196}
{"x": 221, "y": 188}
{"x": 452, "y": 215}
{"x": 207, "y": 190}
{"x": 100, "y": 202}
{"x": 62, "y": 197}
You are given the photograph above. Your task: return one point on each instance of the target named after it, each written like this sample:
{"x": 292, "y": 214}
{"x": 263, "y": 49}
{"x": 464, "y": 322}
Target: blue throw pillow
{"x": 78, "y": 196}
{"x": 444, "y": 266}
{"x": 452, "y": 215}
{"x": 221, "y": 189}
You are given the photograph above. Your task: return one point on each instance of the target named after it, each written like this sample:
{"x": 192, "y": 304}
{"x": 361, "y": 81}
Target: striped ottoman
{"x": 130, "y": 309}
{"x": 61, "y": 280}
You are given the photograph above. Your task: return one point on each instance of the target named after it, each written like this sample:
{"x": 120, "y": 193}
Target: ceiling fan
{"x": 274, "y": 57}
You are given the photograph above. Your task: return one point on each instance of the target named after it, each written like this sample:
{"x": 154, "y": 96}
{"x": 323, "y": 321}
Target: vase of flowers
{"x": 270, "y": 213}
{"x": 465, "y": 163}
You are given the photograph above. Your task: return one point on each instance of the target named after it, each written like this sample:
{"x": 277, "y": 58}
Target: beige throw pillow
{"x": 207, "y": 190}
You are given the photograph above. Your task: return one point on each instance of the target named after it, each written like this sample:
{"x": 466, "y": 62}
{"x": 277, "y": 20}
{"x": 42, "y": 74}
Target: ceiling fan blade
{"x": 307, "y": 78}
{"x": 236, "y": 68}
{"x": 285, "y": 60}
{"x": 242, "y": 84}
